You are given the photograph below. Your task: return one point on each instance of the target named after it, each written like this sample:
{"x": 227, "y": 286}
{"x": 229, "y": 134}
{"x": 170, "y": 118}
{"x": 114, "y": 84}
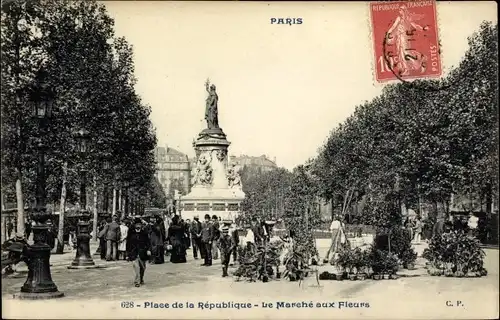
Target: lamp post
{"x": 83, "y": 258}
{"x": 39, "y": 284}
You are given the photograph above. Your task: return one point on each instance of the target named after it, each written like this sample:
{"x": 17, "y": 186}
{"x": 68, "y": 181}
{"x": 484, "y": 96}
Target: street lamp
{"x": 106, "y": 167}
{"x": 39, "y": 284}
{"x": 83, "y": 258}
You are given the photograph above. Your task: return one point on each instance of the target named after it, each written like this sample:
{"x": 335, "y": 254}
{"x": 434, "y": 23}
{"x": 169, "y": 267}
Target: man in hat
{"x": 207, "y": 236}
{"x": 112, "y": 239}
{"x": 233, "y": 231}
{"x": 217, "y": 234}
{"x": 195, "y": 230}
{"x": 138, "y": 250}
{"x": 226, "y": 246}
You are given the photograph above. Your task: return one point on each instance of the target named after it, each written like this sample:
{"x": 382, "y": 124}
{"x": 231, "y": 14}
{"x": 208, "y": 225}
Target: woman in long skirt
{"x": 177, "y": 239}
{"x": 157, "y": 238}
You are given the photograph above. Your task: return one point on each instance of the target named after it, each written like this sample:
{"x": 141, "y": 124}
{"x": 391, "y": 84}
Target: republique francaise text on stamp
{"x": 405, "y": 40}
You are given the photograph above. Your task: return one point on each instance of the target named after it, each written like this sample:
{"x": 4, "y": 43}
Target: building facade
{"x": 173, "y": 171}
{"x": 263, "y": 162}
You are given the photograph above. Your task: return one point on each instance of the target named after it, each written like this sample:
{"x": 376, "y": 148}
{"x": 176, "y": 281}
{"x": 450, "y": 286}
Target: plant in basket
{"x": 360, "y": 263}
{"x": 376, "y": 260}
{"x": 454, "y": 254}
{"x": 391, "y": 265}
{"x": 343, "y": 262}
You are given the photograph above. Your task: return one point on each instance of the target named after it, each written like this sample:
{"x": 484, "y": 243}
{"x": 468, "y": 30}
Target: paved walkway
{"x": 106, "y": 293}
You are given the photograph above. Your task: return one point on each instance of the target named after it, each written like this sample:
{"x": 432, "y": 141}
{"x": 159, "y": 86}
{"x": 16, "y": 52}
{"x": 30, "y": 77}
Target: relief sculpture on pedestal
{"x": 202, "y": 174}
{"x": 233, "y": 178}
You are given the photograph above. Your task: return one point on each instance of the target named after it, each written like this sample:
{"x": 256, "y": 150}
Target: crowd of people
{"x": 150, "y": 239}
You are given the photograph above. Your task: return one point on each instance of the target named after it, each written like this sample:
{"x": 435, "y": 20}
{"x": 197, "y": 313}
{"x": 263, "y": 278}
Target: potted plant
{"x": 376, "y": 262}
{"x": 342, "y": 263}
{"x": 362, "y": 262}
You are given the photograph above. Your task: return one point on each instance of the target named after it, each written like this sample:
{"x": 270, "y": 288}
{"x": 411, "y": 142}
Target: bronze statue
{"x": 211, "y": 112}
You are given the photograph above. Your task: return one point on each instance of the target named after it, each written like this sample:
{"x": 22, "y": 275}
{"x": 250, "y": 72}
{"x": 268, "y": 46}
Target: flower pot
{"x": 352, "y": 277}
{"x": 394, "y": 276}
{"x": 448, "y": 273}
{"x": 459, "y": 274}
{"x": 278, "y": 275}
{"x": 377, "y": 277}
{"x": 339, "y": 276}
{"x": 361, "y": 276}
{"x": 410, "y": 266}
{"x": 324, "y": 276}
{"x": 484, "y": 272}
{"x": 386, "y": 277}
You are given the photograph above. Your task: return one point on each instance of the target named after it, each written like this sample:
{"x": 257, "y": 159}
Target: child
{"x": 226, "y": 245}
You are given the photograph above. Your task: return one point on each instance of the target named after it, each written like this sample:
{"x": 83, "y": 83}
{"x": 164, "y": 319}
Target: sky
{"x": 281, "y": 88}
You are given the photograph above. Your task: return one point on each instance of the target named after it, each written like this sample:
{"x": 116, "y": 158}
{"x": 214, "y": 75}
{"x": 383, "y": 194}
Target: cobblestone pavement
{"x": 414, "y": 293}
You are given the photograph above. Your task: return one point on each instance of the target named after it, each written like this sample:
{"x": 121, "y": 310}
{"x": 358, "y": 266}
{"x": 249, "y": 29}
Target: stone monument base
{"x": 224, "y": 203}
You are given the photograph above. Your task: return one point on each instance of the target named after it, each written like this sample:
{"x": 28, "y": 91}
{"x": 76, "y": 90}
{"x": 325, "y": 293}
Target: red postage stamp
{"x": 405, "y": 40}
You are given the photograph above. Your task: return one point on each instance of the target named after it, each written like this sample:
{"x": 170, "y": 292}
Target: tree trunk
{"x": 120, "y": 207}
{"x": 62, "y": 211}
{"x": 20, "y": 205}
{"x": 96, "y": 215}
{"x": 113, "y": 210}
{"x": 4, "y": 231}
{"x": 489, "y": 199}
{"x": 127, "y": 202}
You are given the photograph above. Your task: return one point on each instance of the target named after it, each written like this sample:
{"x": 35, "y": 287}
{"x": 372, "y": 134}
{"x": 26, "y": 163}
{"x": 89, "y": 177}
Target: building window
{"x": 189, "y": 207}
{"x": 219, "y": 207}
{"x": 233, "y": 207}
{"x": 202, "y": 207}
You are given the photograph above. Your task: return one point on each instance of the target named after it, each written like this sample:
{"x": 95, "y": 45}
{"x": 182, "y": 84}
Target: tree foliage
{"x": 91, "y": 72}
{"x": 421, "y": 141}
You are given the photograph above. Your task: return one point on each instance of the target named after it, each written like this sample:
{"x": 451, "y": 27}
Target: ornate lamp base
{"x": 38, "y": 296}
{"x": 83, "y": 258}
{"x": 39, "y": 284}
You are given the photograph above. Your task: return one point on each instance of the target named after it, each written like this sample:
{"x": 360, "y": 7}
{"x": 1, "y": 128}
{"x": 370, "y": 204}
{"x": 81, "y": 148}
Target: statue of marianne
{"x": 211, "y": 112}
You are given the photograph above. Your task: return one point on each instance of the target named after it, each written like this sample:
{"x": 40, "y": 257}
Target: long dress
{"x": 178, "y": 242}
{"x": 122, "y": 245}
{"x": 157, "y": 238}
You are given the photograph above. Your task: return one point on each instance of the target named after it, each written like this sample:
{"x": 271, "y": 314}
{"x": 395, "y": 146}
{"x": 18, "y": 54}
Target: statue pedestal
{"x": 224, "y": 203}
{"x": 211, "y": 193}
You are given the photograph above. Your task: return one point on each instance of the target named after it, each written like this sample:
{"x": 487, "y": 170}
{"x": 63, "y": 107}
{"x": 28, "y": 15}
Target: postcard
{"x": 249, "y": 160}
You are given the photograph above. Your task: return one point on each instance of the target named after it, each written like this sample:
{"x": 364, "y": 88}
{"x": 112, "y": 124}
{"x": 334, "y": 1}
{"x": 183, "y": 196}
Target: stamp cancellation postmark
{"x": 405, "y": 39}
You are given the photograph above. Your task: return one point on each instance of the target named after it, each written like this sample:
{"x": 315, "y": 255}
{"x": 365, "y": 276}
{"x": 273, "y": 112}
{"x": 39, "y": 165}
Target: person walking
{"x": 138, "y": 250}
{"x": 217, "y": 233}
{"x": 438, "y": 227}
{"x": 157, "y": 237}
{"x": 233, "y": 231}
{"x": 207, "y": 237}
{"x": 227, "y": 246}
{"x": 122, "y": 246}
{"x": 195, "y": 230}
{"x": 102, "y": 239}
{"x": 177, "y": 240}
{"x": 187, "y": 231}
{"x": 418, "y": 230}
{"x": 112, "y": 238}
{"x": 335, "y": 230}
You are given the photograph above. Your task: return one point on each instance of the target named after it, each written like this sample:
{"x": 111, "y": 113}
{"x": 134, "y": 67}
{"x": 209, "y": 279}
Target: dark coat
{"x": 195, "y": 228}
{"x": 157, "y": 234}
{"x": 216, "y": 227}
{"x": 207, "y": 232}
{"x": 258, "y": 232}
{"x": 138, "y": 244}
{"x": 226, "y": 244}
{"x": 113, "y": 231}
